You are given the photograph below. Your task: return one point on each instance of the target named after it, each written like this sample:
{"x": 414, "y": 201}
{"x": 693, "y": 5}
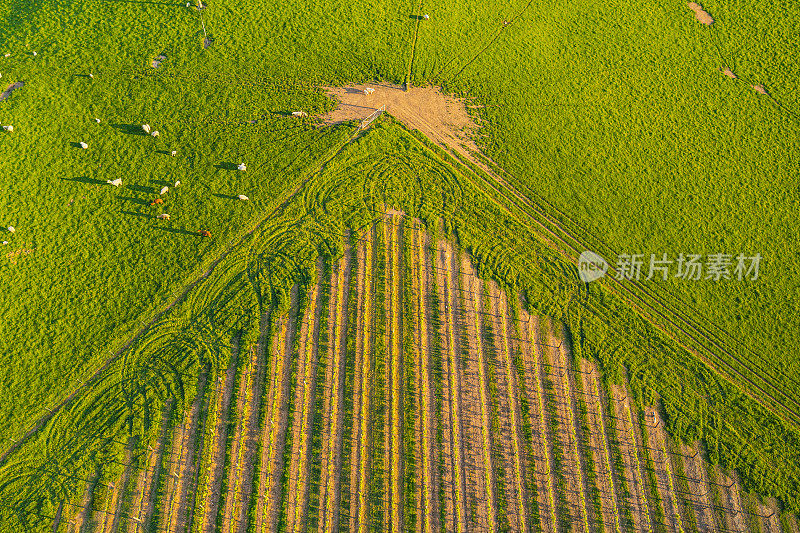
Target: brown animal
{"x": 204, "y": 233}
{"x": 157, "y": 201}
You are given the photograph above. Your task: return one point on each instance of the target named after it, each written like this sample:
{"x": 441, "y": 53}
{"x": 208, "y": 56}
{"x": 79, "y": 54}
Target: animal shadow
{"x": 142, "y": 188}
{"x": 162, "y": 183}
{"x": 227, "y": 166}
{"x": 225, "y": 196}
{"x": 130, "y": 129}
{"x": 134, "y": 214}
{"x": 179, "y": 231}
{"x": 85, "y": 179}
{"x": 137, "y": 201}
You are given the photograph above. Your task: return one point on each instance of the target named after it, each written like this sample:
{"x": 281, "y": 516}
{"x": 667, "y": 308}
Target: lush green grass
{"x": 610, "y": 111}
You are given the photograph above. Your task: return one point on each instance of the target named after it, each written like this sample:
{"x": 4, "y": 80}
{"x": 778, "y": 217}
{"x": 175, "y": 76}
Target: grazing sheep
{"x": 242, "y": 167}
{"x": 116, "y": 183}
{"x": 156, "y": 201}
{"x": 164, "y": 190}
{"x": 369, "y": 90}
{"x": 34, "y": 53}
{"x": 174, "y": 153}
{"x": 97, "y": 120}
{"x": 204, "y": 233}
{"x": 8, "y": 128}
{"x": 242, "y": 197}
{"x": 11, "y": 229}
{"x": 146, "y": 128}
{"x": 155, "y": 133}
{"x": 5, "y": 242}
{"x": 760, "y": 89}
{"x": 7, "y": 55}
{"x": 299, "y": 114}
{"x": 163, "y": 216}
{"x": 83, "y": 145}
{"x": 426, "y": 17}
{"x": 177, "y": 183}
{"x": 91, "y": 75}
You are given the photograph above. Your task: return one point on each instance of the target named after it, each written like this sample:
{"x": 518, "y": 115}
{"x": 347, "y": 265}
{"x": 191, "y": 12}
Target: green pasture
{"x": 611, "y": 112}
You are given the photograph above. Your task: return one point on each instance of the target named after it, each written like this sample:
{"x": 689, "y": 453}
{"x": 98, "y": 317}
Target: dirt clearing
{"x": 443, "y": 119}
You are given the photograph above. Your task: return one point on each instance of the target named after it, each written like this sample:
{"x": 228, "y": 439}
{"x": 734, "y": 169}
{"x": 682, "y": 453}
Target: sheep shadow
{"x": 141, "y": 188}
{"x": 85, "y": 179}
{"x": 135, "y": 214}
{"x": 165, "y": 152}
{"x": 130, "y": 129}
{"x": 225, "y": 196}
{"x": 416, "y": 17}
{"x": 227, "y": 166}
{"x": 162, "y": 183}
{"x": 137, "y": 201}
{"x": 179, "y": 231}
{"x": 75, "y": 145}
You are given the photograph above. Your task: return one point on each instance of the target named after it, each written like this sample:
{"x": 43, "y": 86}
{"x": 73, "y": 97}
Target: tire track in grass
{"x": 217, "y": 466}
{"x": 137, "y": 497}
{"x": 187, "y": 475}
{"x": 244, "y": 480}
{"x": 234, "y": 458}
{"x": 333, "y": 418}
{"x": 362, "y": 395}
{"x": 114, "y": 518}
{"x": 279, "y": 412}
{"x": 304, "y": 402}
{"x": 429, "y": 494}
{"x": 664, "y": 470}
{"x": 455, "y": 478}
{"x": 393, "y": 230}
{"x": 699, "y": 488}
{"x": 477, "y": 390}
{"x": 633, "y": 474}
{"x": 510, "y": 434}
{"x": 607, "y": 482}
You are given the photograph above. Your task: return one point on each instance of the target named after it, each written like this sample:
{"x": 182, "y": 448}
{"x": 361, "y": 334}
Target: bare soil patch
{"x": 442, "y": 118}
{"x": 5, "y": 94}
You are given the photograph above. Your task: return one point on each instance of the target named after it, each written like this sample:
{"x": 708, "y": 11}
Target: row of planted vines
{"x": 396, "y": 390}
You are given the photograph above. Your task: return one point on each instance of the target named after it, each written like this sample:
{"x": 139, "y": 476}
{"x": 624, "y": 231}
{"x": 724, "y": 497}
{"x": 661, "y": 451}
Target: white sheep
{"x": 426, "y": 17}
{"x": 7, "y": 55}
{"x": 155, "y": 133}
{"x": 242, "y": 197}
{"x": 163, "y": 216}
{"x": 299, "y": 114}
{"x": 174, "y": 153}
{"x": 369, "y": 90}
{"x": 11, "y": 229}
{"x": 177, "y": 183}
{"x": 116, "y": 183}
{"x": 146, "y": 128}
{"x": 34, "y": 53}
{"x": 242, "y": 167}
{"x": 5, "y": 242}
{"x": 91, "y": 75}
{"x": 8, "y": 128}
{"x": 97, "y": 120}
{"x": 164, "y": 190}
{"x": 83, "y": 145}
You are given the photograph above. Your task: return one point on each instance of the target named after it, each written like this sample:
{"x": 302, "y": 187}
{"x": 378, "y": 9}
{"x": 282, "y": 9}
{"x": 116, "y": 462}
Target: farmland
{"x": 390, "y": 333}
{"x": 507, "y": 405}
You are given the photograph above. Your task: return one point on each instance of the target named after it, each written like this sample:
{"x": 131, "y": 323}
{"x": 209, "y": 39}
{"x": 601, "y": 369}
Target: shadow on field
{"x": 135, "y": 214}
{"x": 165, "y": 152}
{"x": 130, "y": 129}
{"x": 141, "y": 188}
{"x": 170, "y": 4}
{"x": 162, "y": 183}
{"x": 137, "y": 201}
{"x": 85, "y": 179}
{"x": 178, "y": 231}
{"x": 416, "y": 17}
{"x": 225, "y": 196}
{"x": 227, "y": 166}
